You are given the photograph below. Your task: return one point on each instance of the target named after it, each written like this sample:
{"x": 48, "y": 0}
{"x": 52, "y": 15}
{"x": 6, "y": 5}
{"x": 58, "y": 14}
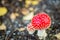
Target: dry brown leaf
{"x": 13, "y": 16}
{"x": 2, "y": 27}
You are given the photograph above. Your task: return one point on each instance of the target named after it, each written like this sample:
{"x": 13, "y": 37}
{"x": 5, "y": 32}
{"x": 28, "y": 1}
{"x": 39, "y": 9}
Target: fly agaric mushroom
{"x": 40, "y": 22}
{"x": 30, "y": 28}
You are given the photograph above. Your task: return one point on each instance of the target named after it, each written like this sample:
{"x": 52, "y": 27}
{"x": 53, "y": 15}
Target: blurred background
{"x": 16, "y": 14}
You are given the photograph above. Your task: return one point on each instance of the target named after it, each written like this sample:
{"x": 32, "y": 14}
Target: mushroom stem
{"x": 42, "y": 34}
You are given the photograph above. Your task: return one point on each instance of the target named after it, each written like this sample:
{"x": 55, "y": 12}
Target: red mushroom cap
{"x": 41, "y": 21}
{"x": 30, "y": 27}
